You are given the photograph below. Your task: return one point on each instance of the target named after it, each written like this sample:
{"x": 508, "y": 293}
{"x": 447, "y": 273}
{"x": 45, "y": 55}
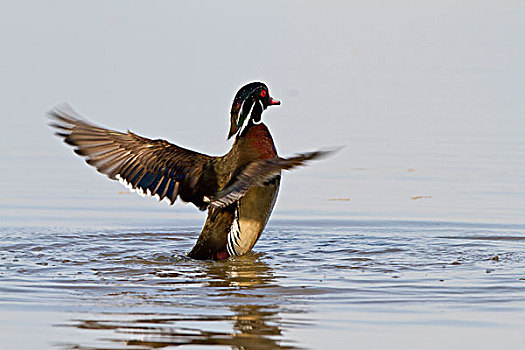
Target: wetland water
{"x": 309, "y": 284}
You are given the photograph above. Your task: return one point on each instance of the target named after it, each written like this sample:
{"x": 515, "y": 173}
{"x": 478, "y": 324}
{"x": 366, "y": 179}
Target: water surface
{"x": 308, "y": 284}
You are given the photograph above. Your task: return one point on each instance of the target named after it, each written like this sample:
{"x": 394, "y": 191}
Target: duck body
{"x": 235, "y": 229}
{"x": 238, "y": 189}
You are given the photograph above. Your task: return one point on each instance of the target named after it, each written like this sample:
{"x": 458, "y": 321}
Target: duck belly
{"x": 252, "y": 213}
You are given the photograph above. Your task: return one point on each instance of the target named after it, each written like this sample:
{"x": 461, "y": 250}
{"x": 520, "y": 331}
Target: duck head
{"x": 249, "y": 103}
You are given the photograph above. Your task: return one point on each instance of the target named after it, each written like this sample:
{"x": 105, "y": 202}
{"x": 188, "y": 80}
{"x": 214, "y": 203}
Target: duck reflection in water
{"x": 237, "y": 310}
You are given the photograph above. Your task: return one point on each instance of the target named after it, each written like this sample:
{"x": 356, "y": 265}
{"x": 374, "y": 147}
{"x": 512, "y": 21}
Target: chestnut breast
{"x": 256, "y": 206}
{"x": 258, "y": 143}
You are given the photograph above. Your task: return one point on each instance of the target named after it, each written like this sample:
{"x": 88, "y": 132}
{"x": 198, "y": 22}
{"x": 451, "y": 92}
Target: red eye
{"x": 263, "y": 93}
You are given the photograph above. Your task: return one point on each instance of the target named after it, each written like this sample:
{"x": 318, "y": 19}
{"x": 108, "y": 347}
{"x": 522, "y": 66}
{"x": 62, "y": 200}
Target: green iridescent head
{"x": 249, "y": 103}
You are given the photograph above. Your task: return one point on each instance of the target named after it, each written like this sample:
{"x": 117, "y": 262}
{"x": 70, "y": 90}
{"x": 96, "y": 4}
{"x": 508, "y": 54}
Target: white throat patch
{"x": 249, "y": 117}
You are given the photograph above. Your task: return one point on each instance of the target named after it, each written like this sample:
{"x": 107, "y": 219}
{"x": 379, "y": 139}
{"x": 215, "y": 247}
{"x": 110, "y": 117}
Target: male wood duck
{"x": 238, "y": 189}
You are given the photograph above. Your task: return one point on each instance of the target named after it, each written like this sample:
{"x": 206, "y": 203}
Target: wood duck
{"x": 238, "y": 189}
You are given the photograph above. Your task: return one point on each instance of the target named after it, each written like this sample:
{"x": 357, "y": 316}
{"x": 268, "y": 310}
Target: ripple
{"x": 487, "y": 238}
{"x": 138, "y": 289}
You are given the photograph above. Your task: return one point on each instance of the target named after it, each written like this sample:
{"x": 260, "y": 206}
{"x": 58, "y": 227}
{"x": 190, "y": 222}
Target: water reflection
{"x": 116, "y": 289}
{"x": 232, "y": 309}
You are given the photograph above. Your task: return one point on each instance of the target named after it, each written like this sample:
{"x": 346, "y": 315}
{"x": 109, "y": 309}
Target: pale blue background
{"x": 426, "y": 96}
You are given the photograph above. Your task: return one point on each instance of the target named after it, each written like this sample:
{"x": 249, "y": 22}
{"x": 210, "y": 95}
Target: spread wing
{"x": 153, "y": 167}
{"x": 257, "y": 173}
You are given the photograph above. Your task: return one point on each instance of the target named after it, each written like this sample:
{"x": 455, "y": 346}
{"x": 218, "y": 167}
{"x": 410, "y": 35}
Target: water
{"x": 308, "y": 284}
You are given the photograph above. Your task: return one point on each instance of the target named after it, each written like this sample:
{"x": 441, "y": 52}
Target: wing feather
{"x": 150, "y": 166}
{"x": 257, "y": 173}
